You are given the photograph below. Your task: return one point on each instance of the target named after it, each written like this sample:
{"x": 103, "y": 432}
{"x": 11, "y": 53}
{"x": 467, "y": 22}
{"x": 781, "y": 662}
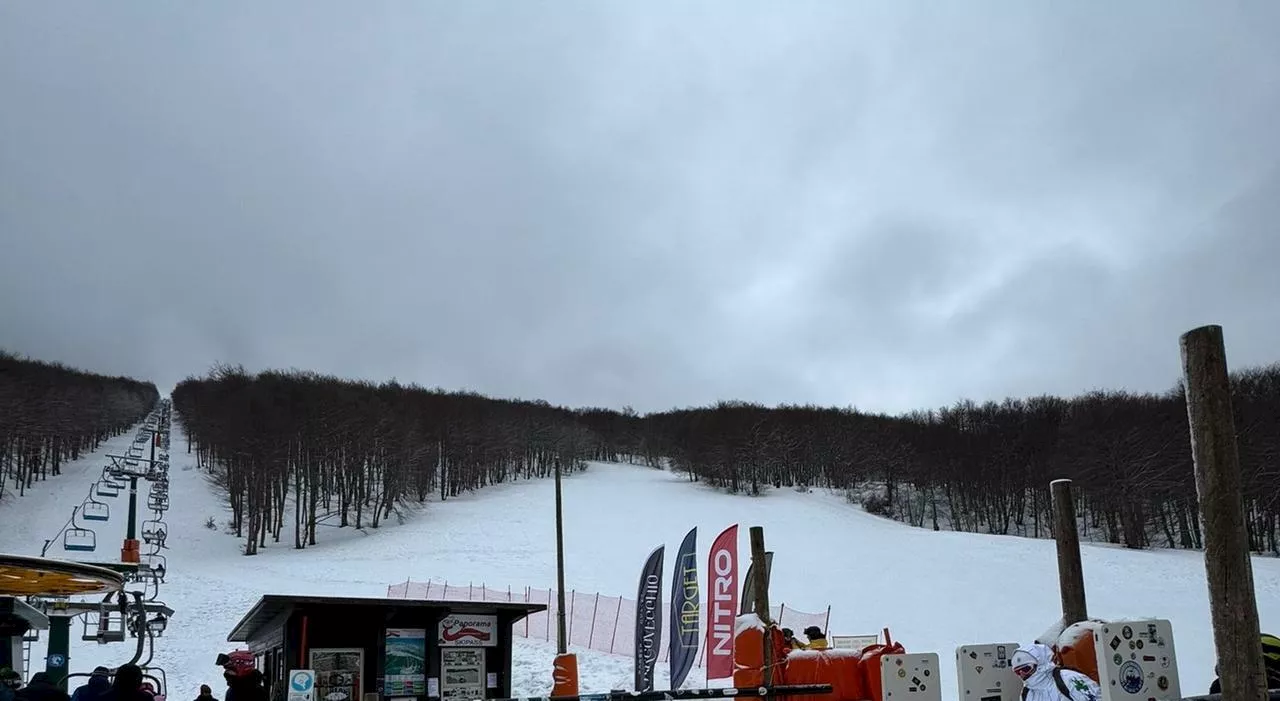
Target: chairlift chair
{"x": 93, "y": 510}
{"x": 157, "y": 563}
{"x": 154, "y": 531}
{"x": 107, "y": 489}
{"x": 79, "y": 540}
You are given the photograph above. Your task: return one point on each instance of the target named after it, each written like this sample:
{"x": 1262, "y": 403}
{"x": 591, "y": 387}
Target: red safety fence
{"x": 594, "y": 621}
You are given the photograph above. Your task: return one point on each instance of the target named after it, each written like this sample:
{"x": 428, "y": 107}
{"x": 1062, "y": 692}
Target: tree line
{"x": 981, "y": 467}
{"x": 349, "y": 453}
{"x": 316, "y": 450}
{"x": 50, "y": 413}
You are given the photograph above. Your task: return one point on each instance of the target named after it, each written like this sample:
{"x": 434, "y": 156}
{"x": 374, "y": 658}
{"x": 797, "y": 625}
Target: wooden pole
{"x": 562, "y": 639}
{"x": 1070, "y": 569}
{"x": 1228, "y": 563}
{"x": 760, "y": 573}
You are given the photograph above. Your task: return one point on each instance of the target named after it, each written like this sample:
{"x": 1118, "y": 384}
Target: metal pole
{"x": 562, "y": 641}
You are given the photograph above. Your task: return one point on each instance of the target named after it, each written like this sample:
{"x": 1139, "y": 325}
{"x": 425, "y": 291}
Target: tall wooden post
{"x": 760, "y": 572}
{"x": 562, "y": 641}
{"x": 1070, "y": 569}
{"x": 1232, "y": 607}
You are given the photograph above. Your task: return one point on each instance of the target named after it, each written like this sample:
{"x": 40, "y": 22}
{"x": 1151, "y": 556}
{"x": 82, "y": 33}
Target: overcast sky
{"x": 883, "y": 204}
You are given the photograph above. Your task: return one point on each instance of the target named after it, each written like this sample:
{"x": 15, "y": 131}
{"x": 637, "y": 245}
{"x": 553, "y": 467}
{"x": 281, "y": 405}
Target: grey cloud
{"x": 657, "y": 204}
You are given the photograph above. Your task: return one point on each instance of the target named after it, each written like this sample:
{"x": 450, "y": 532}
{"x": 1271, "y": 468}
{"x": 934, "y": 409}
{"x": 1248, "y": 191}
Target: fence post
{"x": 573, "y": 600}
{"x": 782, "y": 611}
{"x": 549, "y": 593}
{"x": 826, "y": 622}
{"x": 595, "y": 609}
{"x": 526, "y": 618}
{"x": 1227, "y": 558}
{"x": 616, "y": 616}
{"x": 1070, "y": 569}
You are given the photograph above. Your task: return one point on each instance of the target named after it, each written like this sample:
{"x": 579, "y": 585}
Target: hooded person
{"x": 1042, "y": 680}
{"x": 41, "y": 689}
{"x": 99, "y": 684}
{"x": 127, "y": 686}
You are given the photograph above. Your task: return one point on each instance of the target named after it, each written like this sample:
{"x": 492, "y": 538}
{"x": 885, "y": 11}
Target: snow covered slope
{"x": 934, "y": 590}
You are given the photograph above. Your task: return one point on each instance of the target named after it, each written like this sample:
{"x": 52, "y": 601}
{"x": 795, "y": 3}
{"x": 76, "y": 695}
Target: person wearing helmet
{"x": 1042, "y": 680}
{"x": 10, "y": 682}
{"x": 1270, "y": 663}
{"x": 244, "y": 681}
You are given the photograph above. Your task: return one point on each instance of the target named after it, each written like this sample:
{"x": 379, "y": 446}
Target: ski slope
{"x": 934, "y": 590}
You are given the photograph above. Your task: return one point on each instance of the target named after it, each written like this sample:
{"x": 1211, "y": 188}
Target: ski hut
{"x": 17, "y": 620}
{"x": 369, "y": 649}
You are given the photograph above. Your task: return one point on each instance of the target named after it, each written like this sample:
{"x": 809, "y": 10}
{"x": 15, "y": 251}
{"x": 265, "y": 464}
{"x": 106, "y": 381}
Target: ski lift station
{"x": 387, "y": 648}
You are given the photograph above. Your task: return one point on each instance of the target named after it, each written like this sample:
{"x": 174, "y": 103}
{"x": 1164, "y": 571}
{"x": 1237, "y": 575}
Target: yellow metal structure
{"x": 38, "y": 576}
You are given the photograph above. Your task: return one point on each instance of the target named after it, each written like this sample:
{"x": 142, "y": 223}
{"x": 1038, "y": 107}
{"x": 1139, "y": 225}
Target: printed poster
{"x": 405, "y": 662}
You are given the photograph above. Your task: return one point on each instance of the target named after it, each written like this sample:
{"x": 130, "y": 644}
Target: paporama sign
{"x": 473, "y": 630}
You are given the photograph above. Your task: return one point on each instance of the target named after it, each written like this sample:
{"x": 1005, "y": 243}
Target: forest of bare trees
{"x": 312, "y": 450}
{"x": 981, "y": 467}
{"x": 347, "y": 453}
{"x": 50, "y": 414}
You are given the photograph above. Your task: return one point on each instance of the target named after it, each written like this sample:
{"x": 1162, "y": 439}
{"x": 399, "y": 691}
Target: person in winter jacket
{"x": 789, "y": 640}
{"x": 1042, "y": 680}
{"x": 41, "y": 689}
{"x": 244, "y": 681}
{"x": 99, "y": 684}
{"x": 127, "y": 686}
{"x": 206, "y": 694}
{"x": 817, "y": 640}
{"x": 1270, "y": 661}
{"x": 10, "y": 682}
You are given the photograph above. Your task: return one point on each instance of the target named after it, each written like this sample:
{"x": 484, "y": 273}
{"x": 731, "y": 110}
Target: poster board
{"x": 1136, "y": 660}
{"x": 339, "y": 673}
{"x": 853, "y": 642}
{"x": 985, "y": 674}
{"x": 467, "y": 630}
{"x": 462, "y": 673}
{"x": 910, "y": 677}
{"x": 404, "y": 659}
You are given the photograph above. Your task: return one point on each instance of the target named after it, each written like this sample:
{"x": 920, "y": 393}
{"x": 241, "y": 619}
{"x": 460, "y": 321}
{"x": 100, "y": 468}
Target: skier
{"x": 40, "y": 689}
{"x": 10, "y": 682}
{"x": 206, "y": 694}
{"x": 99, "y": 683}
{"x": 1042, "y": 680}
{"x": 244, "y": 681}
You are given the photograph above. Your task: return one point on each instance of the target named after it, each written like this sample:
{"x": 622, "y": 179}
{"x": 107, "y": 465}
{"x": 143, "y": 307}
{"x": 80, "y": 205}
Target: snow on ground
{"x": 934, "y": 590}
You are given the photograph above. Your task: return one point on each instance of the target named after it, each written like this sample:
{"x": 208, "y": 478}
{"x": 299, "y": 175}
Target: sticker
{"x": 1139, "y": 644}
{"x": 1127, "y": 632}
{"x": 1118, "y": 659}
{"x": 926, "y": 673}
{"x": 902, "y": 674}
{"x": 1132, "y": 645}
{"x": 1163, "y": 683}
{"x": 916, "y": 681}
{"x": 979, "y": 668}
{"x": 1131, "y": 677}
{"x": 1115, "y": 642}
{"x": 1164, "y": 662}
